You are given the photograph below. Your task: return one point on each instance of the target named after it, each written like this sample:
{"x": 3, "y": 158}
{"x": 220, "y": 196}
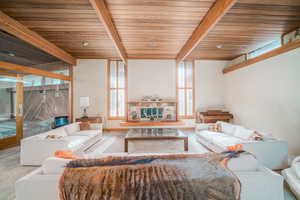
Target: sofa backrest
{"x": 58, "y": 132}
{"x": 53, "y": 165}
{"x": 227, "y": 128}
{"x": 72, "y": 128}
{"x": 240, "y": 131}
{"x": 243, "y": 133}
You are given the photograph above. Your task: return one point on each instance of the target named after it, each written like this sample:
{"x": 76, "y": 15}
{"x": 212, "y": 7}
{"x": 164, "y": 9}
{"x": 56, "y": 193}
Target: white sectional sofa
{"x": 35, "y": 149}
{"x": 271, "y": 152}
{"x": 292, "y": 176}
{"x": 258, "y": 182}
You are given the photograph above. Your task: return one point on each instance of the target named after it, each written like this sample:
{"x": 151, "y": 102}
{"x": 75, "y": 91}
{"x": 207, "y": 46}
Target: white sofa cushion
{"x": 227, "y": 128}
{"x": 88, "y": 133}
{"x": 243, "y": 133}
{"x": 243, "y": 163}
{"x": 54, "y": 165}
{"x": 76, "y": 141}
{"x": 226, "y": 141}
{"x": 219, "y": 139}
{"x": 209, "y": 135}
{"x": 72, "y": 128}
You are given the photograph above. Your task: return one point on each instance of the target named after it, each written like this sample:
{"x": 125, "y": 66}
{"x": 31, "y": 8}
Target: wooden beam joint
{"x": 105, "y": 17}
{"x": 212, "y": 17}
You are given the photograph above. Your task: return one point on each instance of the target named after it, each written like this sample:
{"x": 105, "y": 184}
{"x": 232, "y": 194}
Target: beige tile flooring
{"x": 11, "y": 170}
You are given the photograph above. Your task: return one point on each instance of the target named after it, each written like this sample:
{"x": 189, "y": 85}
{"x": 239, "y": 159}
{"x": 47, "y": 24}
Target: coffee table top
{"x": 158, "y": 133}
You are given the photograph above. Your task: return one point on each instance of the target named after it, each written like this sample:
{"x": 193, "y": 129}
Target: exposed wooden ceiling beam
{"x": 105, "y": 17}
{"x": 212, "y": 17}
{"x": 17, "y": 29}
{"x": 8, "y": 74}
{"x": 30, "y": 70}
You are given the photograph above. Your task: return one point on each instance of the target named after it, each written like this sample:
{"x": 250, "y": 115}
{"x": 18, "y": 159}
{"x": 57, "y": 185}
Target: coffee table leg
{"x": 126, "y": 145}
{"x": 186, "y": 144}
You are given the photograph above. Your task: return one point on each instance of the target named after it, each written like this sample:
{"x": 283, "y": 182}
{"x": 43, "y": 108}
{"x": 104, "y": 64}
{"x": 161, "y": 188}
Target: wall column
{"x": 19, "y": 107}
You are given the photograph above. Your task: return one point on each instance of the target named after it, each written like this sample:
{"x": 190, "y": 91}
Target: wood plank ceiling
{"x": 249, "y": 25}
{"x": 66, "y": 23}
{"x": 155, "y": 29}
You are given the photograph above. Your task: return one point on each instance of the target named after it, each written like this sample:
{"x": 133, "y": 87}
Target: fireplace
{"x": 152, "y": 111}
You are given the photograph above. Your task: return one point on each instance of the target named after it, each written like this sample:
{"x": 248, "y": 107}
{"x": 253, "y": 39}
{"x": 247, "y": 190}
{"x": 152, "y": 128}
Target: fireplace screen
{"x": 164, "y": 110}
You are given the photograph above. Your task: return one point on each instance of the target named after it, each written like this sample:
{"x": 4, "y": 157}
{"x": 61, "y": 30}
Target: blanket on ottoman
{"x": 164, "y": 177}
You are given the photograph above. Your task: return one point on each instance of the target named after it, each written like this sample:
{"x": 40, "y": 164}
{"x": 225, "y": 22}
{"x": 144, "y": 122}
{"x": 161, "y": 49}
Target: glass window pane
{"x": 121, "y": 103}
{"x": 113, "y": 103}
{"x": 7, "y": 117}
{"x": 189, "y": 105}
{"x": 181, "y": 102}
{"x": 181, "y": 75}
{"x": 273, "y": 45}
{"x": 44, "y": 99}
{"x": 121, "y": 75}
{"x": 113, "y": 74}
{"x": 189, "y": 74}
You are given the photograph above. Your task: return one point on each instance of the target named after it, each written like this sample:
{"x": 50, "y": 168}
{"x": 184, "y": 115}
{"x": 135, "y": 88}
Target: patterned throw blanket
{"x": 164, "y": 177}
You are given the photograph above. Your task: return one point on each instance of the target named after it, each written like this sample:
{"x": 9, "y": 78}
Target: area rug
{"x": 151, "y": 177}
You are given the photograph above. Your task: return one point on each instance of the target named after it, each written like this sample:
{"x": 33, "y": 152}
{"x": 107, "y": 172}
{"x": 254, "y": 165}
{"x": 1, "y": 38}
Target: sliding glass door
{"x": 10, "y": 115}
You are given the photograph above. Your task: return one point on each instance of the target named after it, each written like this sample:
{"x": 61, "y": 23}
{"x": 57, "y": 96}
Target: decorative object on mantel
{"x": 92, "y": 120}
{"x": 151, "y": 98}
{"x": 152, "y": 109}
{"x": 84, "y": 103}
{"x": 212, "y": 116}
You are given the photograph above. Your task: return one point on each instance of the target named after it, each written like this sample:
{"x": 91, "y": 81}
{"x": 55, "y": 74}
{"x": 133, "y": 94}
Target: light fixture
{"x": 11, "y": 54}
{"x": 152, "y": 44}
{"x": 84, "y": 44}
{"x": 219, "y": 46}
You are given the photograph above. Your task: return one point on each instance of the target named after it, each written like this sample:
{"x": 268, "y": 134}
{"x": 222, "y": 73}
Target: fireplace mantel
{"x": 152, "y": 111}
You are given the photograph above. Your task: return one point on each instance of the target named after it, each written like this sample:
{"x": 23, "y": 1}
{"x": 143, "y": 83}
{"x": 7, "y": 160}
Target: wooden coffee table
{"x": 155, "y": 134}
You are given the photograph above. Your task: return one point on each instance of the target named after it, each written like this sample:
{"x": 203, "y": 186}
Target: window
{"x": 273, "y": 45}
{"x": 185, "y": 89}
{"x": 117, "y": 93}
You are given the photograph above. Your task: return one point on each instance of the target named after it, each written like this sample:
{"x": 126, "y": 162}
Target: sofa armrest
{"x": 34, "y": 151}
{"x": 261, "y": 184}
{"x": 271, "y": 153}
{"x": 202, "y": 126}
{"x": 42, "y": 186}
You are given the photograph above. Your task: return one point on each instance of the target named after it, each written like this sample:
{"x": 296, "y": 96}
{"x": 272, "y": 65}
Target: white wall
{"x": 89, "y": 80}
{"x": 145, "y": 77}
{"x": 151, "y": 77}
{"x": 209, "y": 83}
{"x": 266, "y": 96}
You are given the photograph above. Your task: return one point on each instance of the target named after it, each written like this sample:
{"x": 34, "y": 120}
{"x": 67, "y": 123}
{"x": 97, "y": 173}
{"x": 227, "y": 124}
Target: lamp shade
{"x": 84, "y": 101}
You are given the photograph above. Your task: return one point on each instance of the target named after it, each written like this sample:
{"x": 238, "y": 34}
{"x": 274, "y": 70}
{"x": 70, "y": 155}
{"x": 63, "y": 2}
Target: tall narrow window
{"x": 185, "y": 89}
{"x": 117, "y": 73}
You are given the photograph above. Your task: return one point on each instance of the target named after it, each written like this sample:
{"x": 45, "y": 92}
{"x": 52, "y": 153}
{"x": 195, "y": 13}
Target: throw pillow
{"x": 85, "y": 126}
{"x": 215, "y": 128}
{"x": 53, "y": 136}
{"x": 237, "y": 147}
{"x": 65, "y": 154}
{"x": 257, "y": 136}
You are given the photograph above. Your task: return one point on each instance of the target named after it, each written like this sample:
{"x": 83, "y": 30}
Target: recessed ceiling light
{"x": 152, "y": 44}
{"x": 219, "y": 46}
{"x": 84, "y": 44}
{"x": 11, "y": 54}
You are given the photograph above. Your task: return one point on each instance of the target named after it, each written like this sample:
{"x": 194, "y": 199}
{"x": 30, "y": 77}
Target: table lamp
{"x": 84, "y": 104}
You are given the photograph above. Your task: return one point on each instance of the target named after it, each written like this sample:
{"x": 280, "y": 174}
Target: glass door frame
{"x": 15, "y": 140}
